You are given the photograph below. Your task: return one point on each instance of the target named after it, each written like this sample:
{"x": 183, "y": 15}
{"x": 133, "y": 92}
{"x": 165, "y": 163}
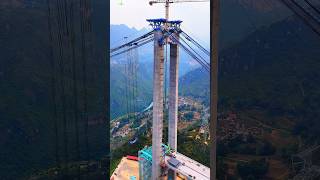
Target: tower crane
{"x": 167, "y": 2}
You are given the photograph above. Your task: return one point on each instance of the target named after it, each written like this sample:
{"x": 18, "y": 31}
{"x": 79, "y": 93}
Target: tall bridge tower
{"x": 161, "y": 161}
{"x": 162, "y": 28}
{"x": 157, "y": 118}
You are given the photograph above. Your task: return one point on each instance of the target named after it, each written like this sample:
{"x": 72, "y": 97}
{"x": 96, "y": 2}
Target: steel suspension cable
{"x": 126, "y": 84}
{"x": 134, "y": 80}
{"x": 75, "y": 85}
{"x": 62, "y": 85}
{"x": 306, "y": 17}
{"x": 136, "y": 46}
{"x": 83, "y": 25}
{"x": 312, "y": 6}
{"x": 190, "y": 53}
{"x": 136, "y": 77}
{"x": 67, "y": 24}
{"x": 196, "y": 52}
{"x": 128, "y": 45}
{"x": 310, "y": 9}
{"x": 129, "y": 77}
{"x": 132, "y": 42}
{"x": 195, "y": 57}
{"x": 195, "y": 43}
{"x": 53, "y": 85}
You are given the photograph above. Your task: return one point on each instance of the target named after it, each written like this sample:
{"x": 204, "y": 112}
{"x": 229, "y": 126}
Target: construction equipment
{"x": 167, "y": 2}
{"x": 153, "y": 160}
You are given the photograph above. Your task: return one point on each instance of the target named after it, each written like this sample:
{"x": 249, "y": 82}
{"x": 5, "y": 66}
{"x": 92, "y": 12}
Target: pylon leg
{"x": 157, "y": 122}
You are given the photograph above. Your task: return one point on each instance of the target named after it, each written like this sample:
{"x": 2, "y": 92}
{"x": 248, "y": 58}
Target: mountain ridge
{"x": 274, "y": 69}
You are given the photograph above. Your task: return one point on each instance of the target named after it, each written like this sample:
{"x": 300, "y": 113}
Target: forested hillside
{"x": 275, "y": 69}
{"x": 27, "y": 126}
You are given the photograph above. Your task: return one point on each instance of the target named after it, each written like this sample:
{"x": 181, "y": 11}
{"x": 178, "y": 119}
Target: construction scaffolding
{"x": 145, "y": 161}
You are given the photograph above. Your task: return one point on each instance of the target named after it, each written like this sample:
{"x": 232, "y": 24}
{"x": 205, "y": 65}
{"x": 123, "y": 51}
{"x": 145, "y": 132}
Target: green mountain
{"x": 27, "y": 123}
{"x": 246, "y": 16}
{"x": 275, "y": 69}
{"x": 195, "y": 84}
{"x": 239, "y": 18}
{"x": 27, "y": 133}
{"x": 119, "y": 94}
{"x": 118, "y": 77}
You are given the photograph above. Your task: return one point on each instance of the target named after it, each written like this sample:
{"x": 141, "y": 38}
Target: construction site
{"x": 163, "y": 161}
{"x": 175, "y": 165}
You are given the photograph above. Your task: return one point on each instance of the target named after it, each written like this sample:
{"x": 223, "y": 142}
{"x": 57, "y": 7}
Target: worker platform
{"x": 187, "y": 167}
{"x": 128, "y": 169}
{"x": 184, "y": 167}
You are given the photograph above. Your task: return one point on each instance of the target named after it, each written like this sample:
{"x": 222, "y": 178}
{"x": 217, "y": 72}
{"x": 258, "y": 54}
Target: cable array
{"x": 308, "y": 12}
{"x": 190, "y": 50}
{"x": 66, "y": 76}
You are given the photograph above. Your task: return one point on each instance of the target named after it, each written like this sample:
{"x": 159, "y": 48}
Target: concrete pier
{"x": 173, "y": 100}
{"x": 173, "y": 95}
{"x": 157, "y": 119}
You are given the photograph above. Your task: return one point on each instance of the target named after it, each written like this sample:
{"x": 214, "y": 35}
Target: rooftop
{"x": 189, "y": 167}
{"x": 186, "y": 166}
{"x": 127, "y": 169}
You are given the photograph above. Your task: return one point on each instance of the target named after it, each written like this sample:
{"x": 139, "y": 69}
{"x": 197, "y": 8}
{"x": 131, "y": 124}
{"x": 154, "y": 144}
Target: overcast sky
{"x": 133, "y": 13}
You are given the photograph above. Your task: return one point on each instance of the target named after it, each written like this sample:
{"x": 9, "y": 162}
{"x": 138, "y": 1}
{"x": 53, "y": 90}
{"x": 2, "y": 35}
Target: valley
{"x": 264, "y": 94}
{"x": 242, "y": 137}
{"x": 269, "y": 97}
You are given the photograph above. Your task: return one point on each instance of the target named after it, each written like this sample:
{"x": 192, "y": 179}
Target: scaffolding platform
{"x": 127, "y": 170}
{"x": 185, "y": 167}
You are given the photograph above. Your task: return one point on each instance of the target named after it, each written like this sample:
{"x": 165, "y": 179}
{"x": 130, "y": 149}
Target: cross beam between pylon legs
{"x": 157, "y": 121}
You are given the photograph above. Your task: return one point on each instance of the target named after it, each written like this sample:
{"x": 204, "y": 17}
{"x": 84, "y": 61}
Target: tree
{"x": 266, "y": 149}
{"x": 255, "y": 168}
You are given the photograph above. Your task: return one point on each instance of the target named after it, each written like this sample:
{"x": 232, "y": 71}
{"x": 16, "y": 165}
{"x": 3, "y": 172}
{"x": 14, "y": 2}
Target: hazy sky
{"x": 133, "y": 13}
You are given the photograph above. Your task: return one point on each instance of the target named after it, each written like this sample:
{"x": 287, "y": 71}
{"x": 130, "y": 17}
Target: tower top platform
{"x": 160, "y": 22}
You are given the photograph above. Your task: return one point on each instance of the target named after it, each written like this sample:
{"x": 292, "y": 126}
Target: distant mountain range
{"x": 238, "y": 19}
{"x": 275, "y": 69}
{"x": 145, "y": 69}
{"x": 283, "y": 57}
